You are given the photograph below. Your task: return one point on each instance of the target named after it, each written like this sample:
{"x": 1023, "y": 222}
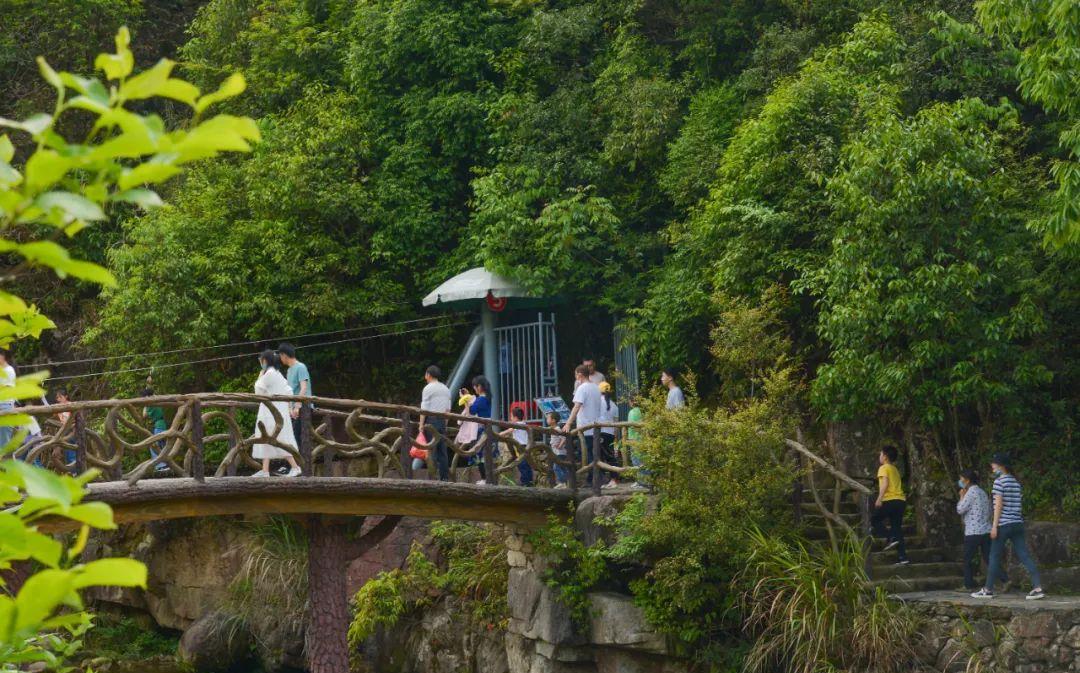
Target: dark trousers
{"x": 440, "y": 451}
{"x": 1010, "y": 532}
{"x": 590, "y": 452}
{"x": 977, "y": 544}
{"x": 525, "y": 471}
{"x": 893, "y": 512}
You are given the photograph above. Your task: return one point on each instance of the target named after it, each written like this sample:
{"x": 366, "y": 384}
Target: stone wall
{"x": 542, "y": 636}
{"x": 1006, "y": 636}
{"x": 432, "y": 640}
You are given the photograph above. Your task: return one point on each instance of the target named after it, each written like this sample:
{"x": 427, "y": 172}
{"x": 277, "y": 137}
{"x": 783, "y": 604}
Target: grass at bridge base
{"x": 119, "y": 638}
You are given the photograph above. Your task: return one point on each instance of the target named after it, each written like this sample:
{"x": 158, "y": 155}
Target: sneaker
{"x": 561, "y": 486}
{"x": 638, "y": 486}
{"x": 261, "y": 473}
{"x": 482, "y": 482}
{"x": 161, "y": 467}
{"x": 903, "y": 562}
{"x": 1035, "y": 594}
{"x": 983, "y": 593}
{"x": 611, "y": 484}
{"x": 891, "y": 544}
{"x": 294, "y": 472}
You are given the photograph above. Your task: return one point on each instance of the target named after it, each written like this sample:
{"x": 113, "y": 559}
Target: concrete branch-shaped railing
{"x": 206, "y": 435}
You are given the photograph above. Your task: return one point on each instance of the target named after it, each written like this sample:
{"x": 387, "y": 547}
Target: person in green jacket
{"x": 633, "y": 438}
{"x": 156, "y": 415}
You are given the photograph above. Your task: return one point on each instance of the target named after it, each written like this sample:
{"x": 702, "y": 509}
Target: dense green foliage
{"x": 895, "y": 168}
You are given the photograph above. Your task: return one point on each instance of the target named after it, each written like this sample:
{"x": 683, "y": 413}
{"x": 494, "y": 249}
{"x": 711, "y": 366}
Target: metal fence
{"x": 627, "y": 377}
{"x": 528, "y": 365}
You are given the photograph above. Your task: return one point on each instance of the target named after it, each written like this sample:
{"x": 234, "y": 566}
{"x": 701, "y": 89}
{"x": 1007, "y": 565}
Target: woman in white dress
{"x": 271, "y": 382}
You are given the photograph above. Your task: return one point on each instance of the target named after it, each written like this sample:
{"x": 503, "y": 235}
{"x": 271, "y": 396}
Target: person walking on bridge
{"x": 270, "y": 383}
{"x": 436, "y": 398}
{"x": 299, "y": 381}
{"x": 586, "y": 412}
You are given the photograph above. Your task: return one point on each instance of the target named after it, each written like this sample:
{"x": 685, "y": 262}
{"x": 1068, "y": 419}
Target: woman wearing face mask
{"x": 1008, "y": 526}
{"x": 974, "y": 507}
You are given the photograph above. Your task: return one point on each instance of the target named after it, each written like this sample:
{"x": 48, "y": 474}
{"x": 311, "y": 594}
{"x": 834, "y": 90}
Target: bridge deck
{"x": 161, "y": 499}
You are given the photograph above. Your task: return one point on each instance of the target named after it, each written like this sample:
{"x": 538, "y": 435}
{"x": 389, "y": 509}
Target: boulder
{"x": 536, "y": 611}
{"x": 212, "y": 645}
{"x": 622, "y": 661}
{"x": 616, "y": 621}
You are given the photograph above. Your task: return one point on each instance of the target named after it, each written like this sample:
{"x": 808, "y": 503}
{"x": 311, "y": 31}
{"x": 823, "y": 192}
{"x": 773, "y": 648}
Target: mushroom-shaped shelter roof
{"x": 473, "y": 286}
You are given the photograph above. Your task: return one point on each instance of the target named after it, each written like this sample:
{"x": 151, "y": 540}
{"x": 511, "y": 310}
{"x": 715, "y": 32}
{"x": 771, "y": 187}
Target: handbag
{"x": 417, "y": 452}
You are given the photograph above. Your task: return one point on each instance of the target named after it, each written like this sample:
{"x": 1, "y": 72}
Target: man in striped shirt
{"x": 1008, "y": 525}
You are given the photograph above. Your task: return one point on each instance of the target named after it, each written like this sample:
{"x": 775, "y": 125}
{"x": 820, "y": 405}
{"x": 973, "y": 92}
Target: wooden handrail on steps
{"x": 865, "y": 496}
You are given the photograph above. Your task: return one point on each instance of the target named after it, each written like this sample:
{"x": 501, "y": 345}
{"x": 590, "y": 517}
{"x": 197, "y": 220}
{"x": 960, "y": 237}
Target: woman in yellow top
{"x": 890, "y": 505}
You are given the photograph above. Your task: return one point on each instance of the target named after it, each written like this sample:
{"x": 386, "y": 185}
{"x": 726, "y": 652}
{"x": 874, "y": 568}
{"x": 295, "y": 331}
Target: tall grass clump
{"x": 814, "y": 610}
{"x": 268, "y": 597}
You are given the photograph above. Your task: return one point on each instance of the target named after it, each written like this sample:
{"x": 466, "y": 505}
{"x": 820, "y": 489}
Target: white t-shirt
{"x": 595, "y": 377}
{"x": 521, "y": 436}
{"x": 588, "y": 396}
{"x": 436, "y": 397}
{"x": 675, "y": 398}
{"x": 7, "y": 380}
{"x": 609, "y": 413}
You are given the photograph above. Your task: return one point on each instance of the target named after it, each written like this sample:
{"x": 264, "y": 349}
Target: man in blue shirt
{"x": 299, "y": 380}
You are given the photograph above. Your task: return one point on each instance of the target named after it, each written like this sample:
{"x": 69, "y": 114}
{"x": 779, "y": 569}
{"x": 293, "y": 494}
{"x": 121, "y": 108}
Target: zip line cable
{"x": 229, "y": 345}
{"x": 247, "y": 355}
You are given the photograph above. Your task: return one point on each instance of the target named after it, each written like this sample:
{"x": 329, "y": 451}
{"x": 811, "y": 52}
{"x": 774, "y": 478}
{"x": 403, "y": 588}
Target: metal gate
{"x": 627, "y": 379}
{"x": 528, "y": 365}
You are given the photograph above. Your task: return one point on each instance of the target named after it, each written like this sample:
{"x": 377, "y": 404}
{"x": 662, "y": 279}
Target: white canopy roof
{"x": 474, "y": 284}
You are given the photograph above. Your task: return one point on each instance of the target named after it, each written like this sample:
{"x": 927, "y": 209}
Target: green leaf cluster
{"x": 469, "y": 567}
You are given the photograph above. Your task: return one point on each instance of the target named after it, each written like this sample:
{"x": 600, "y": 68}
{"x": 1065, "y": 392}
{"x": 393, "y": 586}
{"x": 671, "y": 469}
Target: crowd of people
{"x": 990, "y": 522}
{"x": 282, "y": 374}
{"x": 593, "y": 405}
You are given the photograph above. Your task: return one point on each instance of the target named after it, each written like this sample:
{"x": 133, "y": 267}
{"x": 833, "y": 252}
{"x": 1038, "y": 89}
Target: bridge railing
{"x": 214, "y": 433}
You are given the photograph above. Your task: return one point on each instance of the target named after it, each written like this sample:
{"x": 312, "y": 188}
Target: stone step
{"x": 818, "y": 519}
{"x": 920, "y": 555}
{"x": 898, "y": 585}
{"x": 915, "y": 570}
{"x": 819, "y": 532}
{"x": 846, "y": 506}
{"x": 911, "y": 541}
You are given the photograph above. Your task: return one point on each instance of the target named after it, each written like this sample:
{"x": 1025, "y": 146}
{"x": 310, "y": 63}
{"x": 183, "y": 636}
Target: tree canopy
{"x": 904, "y": 174}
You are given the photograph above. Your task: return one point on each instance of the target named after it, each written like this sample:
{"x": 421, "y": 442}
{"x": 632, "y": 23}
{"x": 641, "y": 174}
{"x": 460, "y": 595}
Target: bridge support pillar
{"x": 328, "y": 620}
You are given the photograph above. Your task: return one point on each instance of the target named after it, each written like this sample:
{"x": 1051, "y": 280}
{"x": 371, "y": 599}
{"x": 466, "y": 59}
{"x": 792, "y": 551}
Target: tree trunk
{"x": 328, "y": 621}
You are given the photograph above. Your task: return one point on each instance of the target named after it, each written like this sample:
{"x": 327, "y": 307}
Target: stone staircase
{"x": 932, "y": 567}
